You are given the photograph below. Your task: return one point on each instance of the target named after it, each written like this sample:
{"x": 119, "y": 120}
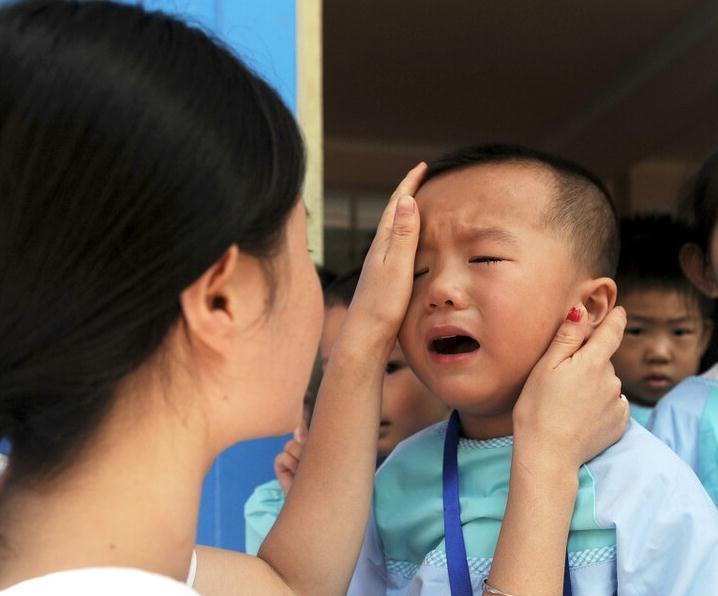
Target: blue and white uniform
{"x": 260, "y": 512}
{"x": 686, "y": 419}
{"x": 641, "y": 414}
{"x": 642, "y": 523}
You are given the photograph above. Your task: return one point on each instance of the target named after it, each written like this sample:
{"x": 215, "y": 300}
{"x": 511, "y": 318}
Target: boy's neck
{"x": 474, "y": 426}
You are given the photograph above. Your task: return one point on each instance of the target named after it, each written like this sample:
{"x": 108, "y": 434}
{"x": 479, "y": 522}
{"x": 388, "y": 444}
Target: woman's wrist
{"x": 364, "y": 339}
{"x": 538, "y": 470}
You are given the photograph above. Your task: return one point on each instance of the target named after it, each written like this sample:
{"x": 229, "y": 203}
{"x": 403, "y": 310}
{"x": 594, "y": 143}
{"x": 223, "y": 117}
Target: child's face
{"x": 664, "y": 340}
{"x": 407, "y": 405}
{"x": 492, "y": 279}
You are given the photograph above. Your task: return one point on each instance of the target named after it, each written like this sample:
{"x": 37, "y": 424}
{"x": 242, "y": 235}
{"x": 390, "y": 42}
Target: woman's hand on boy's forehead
{"x": 385, "y": 285}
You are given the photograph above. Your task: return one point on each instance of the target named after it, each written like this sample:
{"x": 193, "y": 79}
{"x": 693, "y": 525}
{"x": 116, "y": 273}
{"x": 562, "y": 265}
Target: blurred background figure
{"x": 669, "y": 320}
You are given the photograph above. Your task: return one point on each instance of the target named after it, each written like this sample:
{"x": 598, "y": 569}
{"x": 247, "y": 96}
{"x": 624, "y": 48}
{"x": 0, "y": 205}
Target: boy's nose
{"x": 446, "y": 303}
{"x": 445, "y": 294}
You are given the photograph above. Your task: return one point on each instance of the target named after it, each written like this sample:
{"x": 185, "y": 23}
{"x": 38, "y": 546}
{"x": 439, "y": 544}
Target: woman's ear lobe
{"x": 599, "y": 299}
{"x": 698, "y": 270}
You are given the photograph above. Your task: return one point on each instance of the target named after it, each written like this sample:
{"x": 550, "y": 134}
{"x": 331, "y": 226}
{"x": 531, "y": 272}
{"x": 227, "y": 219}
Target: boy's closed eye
{"x": 481, "y": 259}
{"x": 486, "y": 260}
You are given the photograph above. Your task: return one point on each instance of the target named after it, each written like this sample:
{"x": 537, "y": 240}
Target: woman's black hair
{"x": 134, "y": 151}
{"x": 700, "y": 208}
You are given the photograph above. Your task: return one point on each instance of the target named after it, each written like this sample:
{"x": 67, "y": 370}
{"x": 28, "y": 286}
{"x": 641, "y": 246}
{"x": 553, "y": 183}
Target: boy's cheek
{"x": 406, "y": 331}
{"x": 404, "y": 338}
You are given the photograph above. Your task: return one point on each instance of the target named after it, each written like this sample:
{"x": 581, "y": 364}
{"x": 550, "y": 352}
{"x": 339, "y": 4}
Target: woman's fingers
{"x": 607, "y": 338}
{"x": 384, "y": 288}
{"x": 407, "y": 187}
{"x": 569, "y": 410}
{"x": 569, "y": 337}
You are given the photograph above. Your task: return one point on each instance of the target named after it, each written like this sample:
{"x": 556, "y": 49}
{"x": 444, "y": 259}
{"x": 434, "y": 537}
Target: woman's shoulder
{"x": 109, "y": 581}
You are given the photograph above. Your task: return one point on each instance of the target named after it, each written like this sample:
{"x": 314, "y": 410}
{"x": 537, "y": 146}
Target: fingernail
{"x": 574, "y": 315}
{"x": 623, "y": 397}
{"x": 406, "y": 205}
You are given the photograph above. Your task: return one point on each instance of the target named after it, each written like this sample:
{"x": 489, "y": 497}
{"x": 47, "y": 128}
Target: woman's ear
{"x": 599, "y": 297}
{"x": 698, "y": 269}
{"x": 211, "y": 305}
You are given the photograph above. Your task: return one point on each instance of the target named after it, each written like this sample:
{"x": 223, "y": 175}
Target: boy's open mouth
{"x": 453, "y": 344}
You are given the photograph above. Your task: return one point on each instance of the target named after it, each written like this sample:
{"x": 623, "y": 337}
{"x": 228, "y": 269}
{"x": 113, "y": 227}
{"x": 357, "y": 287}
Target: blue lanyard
{"x": 459, "y": 577}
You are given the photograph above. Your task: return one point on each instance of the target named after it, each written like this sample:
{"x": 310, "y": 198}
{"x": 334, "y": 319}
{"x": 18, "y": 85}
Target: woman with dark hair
{"x": 157, "y": 304}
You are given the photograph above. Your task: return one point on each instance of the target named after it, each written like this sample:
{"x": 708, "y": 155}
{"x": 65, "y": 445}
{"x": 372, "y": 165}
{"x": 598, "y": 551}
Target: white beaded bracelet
{"x": 489, "y": 589}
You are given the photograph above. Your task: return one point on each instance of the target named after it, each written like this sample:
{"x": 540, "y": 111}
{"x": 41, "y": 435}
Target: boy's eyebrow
{"x": 469, "y": 232}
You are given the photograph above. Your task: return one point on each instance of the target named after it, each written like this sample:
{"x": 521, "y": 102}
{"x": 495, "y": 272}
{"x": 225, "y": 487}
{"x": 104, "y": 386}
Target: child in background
{"x": 511, "y": 240}
{"x": 407, "y": 407}
{"x": 687, "y": 417}
{"x": 669, "y": 320}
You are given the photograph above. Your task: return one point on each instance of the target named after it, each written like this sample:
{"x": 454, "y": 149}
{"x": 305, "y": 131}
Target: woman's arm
{"x": 315, "y": 542}
{"x": 568, "y": 412}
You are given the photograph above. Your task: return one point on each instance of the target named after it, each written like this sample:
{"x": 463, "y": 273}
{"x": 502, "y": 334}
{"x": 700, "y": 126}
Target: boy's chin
{"x": 479, "y": 403}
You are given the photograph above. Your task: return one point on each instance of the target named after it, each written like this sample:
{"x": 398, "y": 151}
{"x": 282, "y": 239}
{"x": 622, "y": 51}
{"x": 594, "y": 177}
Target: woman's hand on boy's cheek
{"x": 569, "y": 409}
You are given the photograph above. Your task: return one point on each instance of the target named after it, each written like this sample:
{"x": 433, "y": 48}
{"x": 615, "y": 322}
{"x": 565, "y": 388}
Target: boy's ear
{"x": 698, "y": 269}
{"x": 599, "y": 297}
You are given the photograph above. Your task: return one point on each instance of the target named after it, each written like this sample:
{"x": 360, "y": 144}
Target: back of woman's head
{"x": 133, "y": 152}
{"x": 700, "y": 208}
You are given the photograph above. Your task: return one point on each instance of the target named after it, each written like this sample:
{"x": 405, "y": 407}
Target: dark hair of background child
{"x": 341, "y": 291}
{"x": 649, "y": 260}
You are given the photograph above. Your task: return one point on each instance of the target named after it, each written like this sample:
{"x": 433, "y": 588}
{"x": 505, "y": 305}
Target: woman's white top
{"x": 108, "y": 581}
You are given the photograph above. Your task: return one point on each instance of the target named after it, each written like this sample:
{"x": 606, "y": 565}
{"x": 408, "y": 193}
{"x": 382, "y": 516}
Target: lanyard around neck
{"x": 456, "y": 560}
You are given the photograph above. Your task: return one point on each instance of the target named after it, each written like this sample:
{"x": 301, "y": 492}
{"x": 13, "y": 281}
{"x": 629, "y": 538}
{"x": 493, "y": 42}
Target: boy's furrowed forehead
{"x": 487, "y": 201}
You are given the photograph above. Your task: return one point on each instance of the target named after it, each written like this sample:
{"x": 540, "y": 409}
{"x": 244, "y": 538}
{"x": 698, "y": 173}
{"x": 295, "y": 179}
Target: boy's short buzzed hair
{"x": 649, "y": 258}
{"x": 583, "y": 210}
